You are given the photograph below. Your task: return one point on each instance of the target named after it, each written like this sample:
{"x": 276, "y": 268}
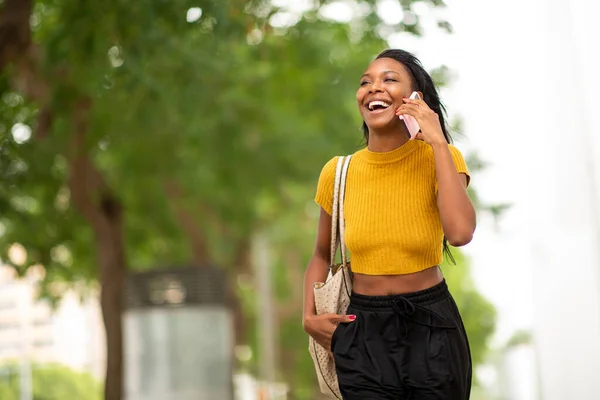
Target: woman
{"x": 402, "y": 336}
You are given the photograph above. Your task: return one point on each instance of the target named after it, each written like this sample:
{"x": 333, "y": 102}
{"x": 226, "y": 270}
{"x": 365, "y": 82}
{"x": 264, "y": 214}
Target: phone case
{"x": 412, "y": 126}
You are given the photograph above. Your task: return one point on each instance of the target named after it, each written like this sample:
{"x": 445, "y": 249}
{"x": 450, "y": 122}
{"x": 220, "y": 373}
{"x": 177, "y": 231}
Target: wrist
{"x": 306, "y": 320}
{"x": 439, "y": 144}
{"x": 307, "y": 317}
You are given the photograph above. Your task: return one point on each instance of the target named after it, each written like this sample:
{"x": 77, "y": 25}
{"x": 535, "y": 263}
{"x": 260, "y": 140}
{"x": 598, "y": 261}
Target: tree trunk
{"x": 242, "y": 267}
{"x": 104, "y": 212}
{"x": 111, "y": 258}
{"x": 90, "y": 194}
{"x": 106, "y": 220}
{"x": 15, "y": 30}
{"x": 189, "y": 225}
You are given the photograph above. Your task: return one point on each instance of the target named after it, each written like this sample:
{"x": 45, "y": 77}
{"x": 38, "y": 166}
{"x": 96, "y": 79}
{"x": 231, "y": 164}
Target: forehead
{"x": 383, "y": 65}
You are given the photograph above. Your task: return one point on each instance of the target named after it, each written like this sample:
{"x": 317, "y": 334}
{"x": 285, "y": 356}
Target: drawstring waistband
{"x": 424, "y": 297}
{"x": 409, "y": 307}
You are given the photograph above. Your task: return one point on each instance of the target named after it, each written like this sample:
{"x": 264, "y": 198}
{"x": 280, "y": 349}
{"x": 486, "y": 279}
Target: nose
{"x": 375, "y": 87}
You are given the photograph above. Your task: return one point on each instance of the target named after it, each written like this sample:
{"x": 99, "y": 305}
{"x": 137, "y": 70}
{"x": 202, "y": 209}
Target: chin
{"x": 380, "y": 124}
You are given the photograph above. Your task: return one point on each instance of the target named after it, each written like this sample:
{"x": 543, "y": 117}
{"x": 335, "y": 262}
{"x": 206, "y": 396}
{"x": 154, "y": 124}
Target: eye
{"x": 390, "y": 80}
{"x": 363, "y": 83}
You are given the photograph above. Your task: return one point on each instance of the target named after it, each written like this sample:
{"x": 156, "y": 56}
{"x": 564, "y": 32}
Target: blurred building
{"x": 510, "y": 373}
{"x": 248, "y": 387}
{"x": 567, "y": 287}
{"x": 517, "y": 377}
{"x": 72, "y": 334}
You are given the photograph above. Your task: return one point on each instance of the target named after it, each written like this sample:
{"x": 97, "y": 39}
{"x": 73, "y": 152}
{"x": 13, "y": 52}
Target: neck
{"x": 381, "y": 142}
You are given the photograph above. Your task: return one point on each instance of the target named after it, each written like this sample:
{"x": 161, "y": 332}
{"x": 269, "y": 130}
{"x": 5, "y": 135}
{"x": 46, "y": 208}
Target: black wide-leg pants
{"x": 403, "y": 347}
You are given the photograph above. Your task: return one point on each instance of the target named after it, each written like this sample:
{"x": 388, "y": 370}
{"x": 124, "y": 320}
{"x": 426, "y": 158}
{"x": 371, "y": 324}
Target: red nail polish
{"x": 352, "y": 317}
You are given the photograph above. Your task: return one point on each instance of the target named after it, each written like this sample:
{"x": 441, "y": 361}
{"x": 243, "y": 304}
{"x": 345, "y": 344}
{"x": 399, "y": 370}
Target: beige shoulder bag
{"x": 333, "y": 296}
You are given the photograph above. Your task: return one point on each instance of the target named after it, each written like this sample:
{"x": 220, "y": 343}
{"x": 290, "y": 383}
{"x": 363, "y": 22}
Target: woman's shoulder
{"x": 457, "y": 157}
{"x": 330, "y": 166}
{"x": 454, "y": 150}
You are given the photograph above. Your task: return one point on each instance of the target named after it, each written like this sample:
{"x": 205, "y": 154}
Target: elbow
{"x": 460, "y": 233}
{"x": 460, "y": 239}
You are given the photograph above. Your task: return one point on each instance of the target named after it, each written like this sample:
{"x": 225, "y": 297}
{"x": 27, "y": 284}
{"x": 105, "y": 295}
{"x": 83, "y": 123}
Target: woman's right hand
{"x": 321, "y": 327}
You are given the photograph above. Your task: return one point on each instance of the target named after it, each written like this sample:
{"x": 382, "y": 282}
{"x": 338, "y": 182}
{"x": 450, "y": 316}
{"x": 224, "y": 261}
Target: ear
{"x": 421, "y": 95}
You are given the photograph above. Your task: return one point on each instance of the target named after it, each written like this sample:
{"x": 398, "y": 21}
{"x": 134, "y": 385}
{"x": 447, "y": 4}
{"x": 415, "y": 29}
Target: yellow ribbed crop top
{"x": 392, "y": 221}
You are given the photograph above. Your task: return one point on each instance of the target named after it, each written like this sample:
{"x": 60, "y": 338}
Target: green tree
{"x": 50, "y": 382}
{"x": 160, "y": 140}
{"x": 92, "y": 116}
{"x": 518, "y": 338}
{"x": 479, "y": 315}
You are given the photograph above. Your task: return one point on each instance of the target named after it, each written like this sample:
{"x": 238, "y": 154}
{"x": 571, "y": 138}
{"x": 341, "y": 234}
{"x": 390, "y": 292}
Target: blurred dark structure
{"x": 178, "y": 335}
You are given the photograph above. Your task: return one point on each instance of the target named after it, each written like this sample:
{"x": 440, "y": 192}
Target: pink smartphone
{"x": 411, "y": 124}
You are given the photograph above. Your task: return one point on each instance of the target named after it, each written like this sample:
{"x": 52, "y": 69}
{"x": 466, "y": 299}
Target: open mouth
{"x": 377, "y": 105}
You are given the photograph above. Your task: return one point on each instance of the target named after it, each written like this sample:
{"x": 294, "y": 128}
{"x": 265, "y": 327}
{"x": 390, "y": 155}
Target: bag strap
{"x": 337, "y": 214}
{"x": 342, "y": 220}
{"x": 335, "y": 210}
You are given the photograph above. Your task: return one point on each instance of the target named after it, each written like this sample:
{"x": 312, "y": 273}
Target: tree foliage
{"x": 169, "y": 132}
{"x": 50, "y": 382}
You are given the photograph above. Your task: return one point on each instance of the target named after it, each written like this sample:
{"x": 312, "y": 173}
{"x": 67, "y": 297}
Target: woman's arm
{"x": 320, "y": 327}
{"x": 318, "y": 266}
{"x": 456, "y": 210}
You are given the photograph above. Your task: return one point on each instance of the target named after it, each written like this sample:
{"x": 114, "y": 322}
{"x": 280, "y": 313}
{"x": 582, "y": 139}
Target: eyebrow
{"x": 384, "y": 72}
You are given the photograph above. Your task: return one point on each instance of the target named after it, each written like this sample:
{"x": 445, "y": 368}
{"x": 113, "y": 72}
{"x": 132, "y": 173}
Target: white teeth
{"x": 372, "y": 104}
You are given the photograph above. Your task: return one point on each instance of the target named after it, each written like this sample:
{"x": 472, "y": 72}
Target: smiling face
{"x": 381, "y": 90}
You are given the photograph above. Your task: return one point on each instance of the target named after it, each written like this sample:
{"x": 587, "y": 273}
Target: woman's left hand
{"x": 429, "y": 122}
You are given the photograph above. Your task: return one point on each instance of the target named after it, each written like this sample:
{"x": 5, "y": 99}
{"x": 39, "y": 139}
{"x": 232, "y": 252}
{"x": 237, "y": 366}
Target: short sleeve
{"x": 324, "y": 196}
{"x": 459, "y": 163}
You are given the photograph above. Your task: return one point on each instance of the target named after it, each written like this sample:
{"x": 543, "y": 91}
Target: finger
{"x": 403, "y": 110}
{"x": 418, "y": 102}
{"x": 414, "y": 107}
{"x": 331, "y": 317}
{"x": 410, "y": 106}
{"x": 403, "y": 106}
{"x": 331, "y": 355}
{"x": 410, "y": 110}
{"x": 344, "y": 318}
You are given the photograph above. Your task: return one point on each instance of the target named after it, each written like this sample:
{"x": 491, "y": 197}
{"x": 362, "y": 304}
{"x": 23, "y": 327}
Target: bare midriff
{"x": 383, "y": 285}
